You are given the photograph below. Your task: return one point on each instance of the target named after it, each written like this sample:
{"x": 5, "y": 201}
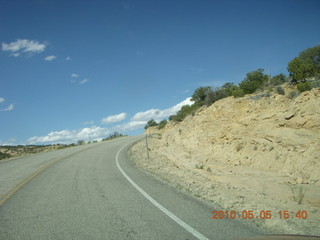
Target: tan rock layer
{"x": 271, "y": 133}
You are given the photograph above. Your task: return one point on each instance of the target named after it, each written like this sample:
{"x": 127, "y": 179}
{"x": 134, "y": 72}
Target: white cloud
{"x": 69, "y": 136}
{"x": 140, "y": 119}
{"x": 84, "y": 81}
{"x": 74, "y": 79}
{"x": 147, "y": 115}
{"x": 114, "y": 118}
{"x": 8, "y": 108}
{"x": 50, "y": 58}
{"x": 158, "y": 114}
{"x": 23, "y": 46}
{"x": 130, "y": 126}
{"x": 68, "y": 58}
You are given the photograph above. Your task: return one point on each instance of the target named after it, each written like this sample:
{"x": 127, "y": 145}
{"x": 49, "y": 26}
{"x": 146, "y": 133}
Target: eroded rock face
{"x": 270, "y": 133}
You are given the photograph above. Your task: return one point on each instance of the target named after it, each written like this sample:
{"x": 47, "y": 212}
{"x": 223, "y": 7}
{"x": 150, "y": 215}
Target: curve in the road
{"x": 190, "y": 229}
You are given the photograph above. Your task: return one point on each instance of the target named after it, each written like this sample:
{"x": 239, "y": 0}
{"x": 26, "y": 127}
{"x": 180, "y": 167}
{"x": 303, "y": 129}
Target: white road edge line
{"x": 158, "y": 205}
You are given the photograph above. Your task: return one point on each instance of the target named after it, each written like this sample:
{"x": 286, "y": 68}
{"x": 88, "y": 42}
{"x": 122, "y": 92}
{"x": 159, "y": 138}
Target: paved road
{"x": 94, "y": 192}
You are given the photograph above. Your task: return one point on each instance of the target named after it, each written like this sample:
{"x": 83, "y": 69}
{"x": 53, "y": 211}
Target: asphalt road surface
{"x": 95, "y": 192}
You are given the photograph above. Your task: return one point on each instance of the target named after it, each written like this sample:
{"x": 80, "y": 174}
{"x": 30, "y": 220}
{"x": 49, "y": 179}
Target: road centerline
{"x": 9, "y": 192}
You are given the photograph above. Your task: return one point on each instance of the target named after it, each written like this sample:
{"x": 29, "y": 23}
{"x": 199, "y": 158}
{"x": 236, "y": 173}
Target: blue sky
{"x": 70, "y": 69}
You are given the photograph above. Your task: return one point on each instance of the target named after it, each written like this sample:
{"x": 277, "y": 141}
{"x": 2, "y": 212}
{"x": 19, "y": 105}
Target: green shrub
{"x": 184, "y": 111}
{"x": 307, "y": 64}
{"x": 315, "y": 84}
{"x": 4, "y": 155}
{"x": 215, "y": 95}
{"x": 200, "y": 166}
{"x": 278, "y": 79}
{"x": 200, "y": 94}
{"x": 113, "y": 135}
{"x": 259, "y": 96}
{"x": 254, "y": 80}
{"x": 269, "y": 89}
{"x": 304, "y": 86}
{"x": 81, "y": 142}
{"x": 229, "y": 87}
{"x": 238, "y": 93}
{"x": 293, "y": 94}
{"x": 280, "y": 90}
{"x": 151, "y": 123}
{"x": 162, "y": 124}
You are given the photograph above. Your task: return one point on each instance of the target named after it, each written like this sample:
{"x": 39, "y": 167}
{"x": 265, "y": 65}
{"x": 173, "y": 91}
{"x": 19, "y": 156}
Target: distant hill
{"x": 23, "y": 150}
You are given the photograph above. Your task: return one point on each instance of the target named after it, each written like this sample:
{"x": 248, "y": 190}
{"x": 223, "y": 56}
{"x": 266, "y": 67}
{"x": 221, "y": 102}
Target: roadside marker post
{"x": 147, "y": 146}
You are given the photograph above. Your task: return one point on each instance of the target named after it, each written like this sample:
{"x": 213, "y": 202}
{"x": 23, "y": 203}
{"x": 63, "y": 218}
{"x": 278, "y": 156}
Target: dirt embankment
{"x": 252, "y": 153}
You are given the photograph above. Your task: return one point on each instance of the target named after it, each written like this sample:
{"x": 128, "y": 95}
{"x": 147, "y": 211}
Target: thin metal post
{"x": 147, "y": 145}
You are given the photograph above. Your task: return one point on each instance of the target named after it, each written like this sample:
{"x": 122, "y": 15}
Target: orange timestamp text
{"x": 264, "y": 214}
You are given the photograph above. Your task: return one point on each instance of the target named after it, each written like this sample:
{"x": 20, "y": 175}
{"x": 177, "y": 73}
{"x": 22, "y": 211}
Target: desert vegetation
{"x": 22, "y": 150}
{"x": 304, "y": 75}
{"x": 113, "y": 136}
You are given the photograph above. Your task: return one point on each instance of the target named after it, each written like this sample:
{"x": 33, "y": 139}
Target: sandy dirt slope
{"x": 253, "y": 153}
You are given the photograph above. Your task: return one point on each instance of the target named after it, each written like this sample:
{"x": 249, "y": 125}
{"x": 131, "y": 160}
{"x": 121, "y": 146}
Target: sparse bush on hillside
{"x": 4, "y": 155}
{"x": 229, "y": 87}
{"x": 162, "y": 124}
{"x": 304, "y": 86}
{"x": 298, "y": 193}
{"x": 280, "y": 90}
{"x": 151, "y": 123}
{"x": 200, "y": 94}
{"x": 259, "y": 96}
{"x": 278, "y": 79}
{"x": 215, "y": 95}
{"x": 293, "y": 94}
{"x": 183, "y": 112}
{"x": 254, "y": 80}
{"x": 207, "y": 96}
{"x": 22, "y": 150}
{"x": 80, "y": 142}
{"x": 238, "y": 93}
{"x": 112, "y": 136}
{"x": 115, "y": 135}
{"x": 200, "y": 166}
{"x": 315, "y": 84}
{"x": 306, "y": 65}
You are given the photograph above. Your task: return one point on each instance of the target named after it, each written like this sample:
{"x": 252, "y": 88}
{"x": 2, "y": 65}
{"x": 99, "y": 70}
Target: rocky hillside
{"x": 267, "y": 133}
{"x": 259, "y": 152}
